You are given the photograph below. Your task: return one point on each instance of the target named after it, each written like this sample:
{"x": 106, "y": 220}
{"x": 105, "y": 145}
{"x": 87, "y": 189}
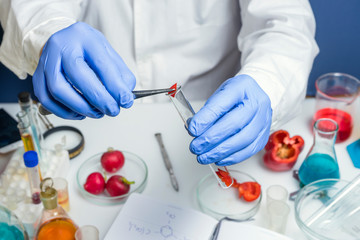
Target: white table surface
{"x": 133, "y": 130}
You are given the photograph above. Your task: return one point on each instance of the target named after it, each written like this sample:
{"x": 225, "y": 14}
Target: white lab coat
{"x": 196, "y": 43}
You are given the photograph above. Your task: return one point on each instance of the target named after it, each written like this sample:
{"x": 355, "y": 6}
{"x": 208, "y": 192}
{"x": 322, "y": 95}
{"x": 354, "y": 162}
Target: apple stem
{"x": 124, "y": 180}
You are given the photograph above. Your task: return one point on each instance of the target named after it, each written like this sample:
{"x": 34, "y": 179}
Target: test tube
{"x": 24, "y": 100}
{"x": 32, "y": 167}
{"x": 25, "y": 131}
{"x": 35, "y": 128}
{"x": 186, "y": 111}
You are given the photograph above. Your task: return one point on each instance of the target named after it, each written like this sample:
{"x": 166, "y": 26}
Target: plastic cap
{"x": 31, "y": 159}
{"x": 24, "y": 97}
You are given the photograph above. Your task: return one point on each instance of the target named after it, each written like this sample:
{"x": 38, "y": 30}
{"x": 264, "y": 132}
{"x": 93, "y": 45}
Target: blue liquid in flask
{"x": 10, "y": 232}
{"x": 318, "y": 166}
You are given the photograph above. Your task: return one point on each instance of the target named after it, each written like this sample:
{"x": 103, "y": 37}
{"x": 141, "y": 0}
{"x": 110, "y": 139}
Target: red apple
{"x": 118, "y": 185}
{"x": 112, "y": 160}
{"x": 95, "y": 183}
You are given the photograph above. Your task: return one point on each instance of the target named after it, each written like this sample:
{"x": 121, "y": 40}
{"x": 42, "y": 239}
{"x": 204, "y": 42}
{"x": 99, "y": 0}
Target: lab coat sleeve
{"x": 28, "y": 25}
{"x": 278, "y": 48}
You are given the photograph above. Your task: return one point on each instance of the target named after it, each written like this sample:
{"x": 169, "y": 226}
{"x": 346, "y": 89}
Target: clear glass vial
{"x": 33, "y": 171}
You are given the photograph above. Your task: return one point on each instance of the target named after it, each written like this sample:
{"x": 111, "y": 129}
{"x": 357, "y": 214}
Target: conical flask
{"x": 11, "y": 227}
{"x": 55, "y": 224}
{"x": 321, "y": 162}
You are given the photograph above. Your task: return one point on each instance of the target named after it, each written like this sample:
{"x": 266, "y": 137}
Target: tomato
{"x": 250, "y": 191}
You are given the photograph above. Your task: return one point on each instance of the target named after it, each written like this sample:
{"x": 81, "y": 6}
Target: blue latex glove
{"x": 79, "y": 74}
{"x": 234, "y": 123}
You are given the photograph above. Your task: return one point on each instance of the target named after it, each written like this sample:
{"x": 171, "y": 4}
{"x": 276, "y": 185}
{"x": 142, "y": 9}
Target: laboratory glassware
{"x": 276, "y": 193}
{"x": 24, "y": 101}
{"x": 32, "y": 168}
{"x": 335, "y": 99}
{"x": 61, "y": 186}
{"x": 25, "y": 131}
{"x": 219, "y": 202}
{"x": 186, "y": 112}
{"x": 87, "y": 232}
{"x": 277, "y": 208}
{"x": 278, "y": 212}
{"x": 31, "y": 111}
{"x": 54, "y": 218}
{"x": 321, "y": 161}
{"x": 329, "y": 209}
{"x": 11, "y": 228}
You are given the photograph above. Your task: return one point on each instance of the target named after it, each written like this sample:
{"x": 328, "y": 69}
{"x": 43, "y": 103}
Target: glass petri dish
{"x": 321, "y": 214}
{"x": 219, "y": 202}
{"x": 134, "y": 169}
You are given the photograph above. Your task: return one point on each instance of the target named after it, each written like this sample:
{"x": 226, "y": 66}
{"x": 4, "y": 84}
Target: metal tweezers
{"x": 137, "y": 94}
{"x": 146, "y": 93}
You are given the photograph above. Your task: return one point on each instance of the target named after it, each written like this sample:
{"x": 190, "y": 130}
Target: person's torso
{"x": 193, "y": 43}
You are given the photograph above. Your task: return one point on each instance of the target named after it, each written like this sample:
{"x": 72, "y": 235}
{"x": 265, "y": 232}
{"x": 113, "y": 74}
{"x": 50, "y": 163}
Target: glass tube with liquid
{"x": 186, "y": 111}
{"x": 25, "y": 131}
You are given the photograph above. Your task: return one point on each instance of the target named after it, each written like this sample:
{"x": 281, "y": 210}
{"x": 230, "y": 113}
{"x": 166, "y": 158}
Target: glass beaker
{"x": 321, "y": 160}
{"x": 87, "y": 232}
{"x": 335, "y": 99}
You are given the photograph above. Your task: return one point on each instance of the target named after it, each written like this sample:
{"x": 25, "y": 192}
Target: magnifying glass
{"x": 70, "y": 137}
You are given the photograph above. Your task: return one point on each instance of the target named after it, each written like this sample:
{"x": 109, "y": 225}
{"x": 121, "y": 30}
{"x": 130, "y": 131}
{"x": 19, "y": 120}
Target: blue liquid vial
{"x": 320, "y": 162}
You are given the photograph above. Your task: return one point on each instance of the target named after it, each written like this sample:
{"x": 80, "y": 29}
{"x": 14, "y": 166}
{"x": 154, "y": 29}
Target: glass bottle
{"x": 321, "y": 160}
{"x": 54, "y": 224}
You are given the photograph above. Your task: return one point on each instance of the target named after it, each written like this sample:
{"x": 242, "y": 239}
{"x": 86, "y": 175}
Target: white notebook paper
{"x": 146, "y": 218}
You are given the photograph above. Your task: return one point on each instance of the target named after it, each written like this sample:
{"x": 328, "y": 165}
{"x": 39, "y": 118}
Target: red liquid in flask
{"x": 343, "y": 119}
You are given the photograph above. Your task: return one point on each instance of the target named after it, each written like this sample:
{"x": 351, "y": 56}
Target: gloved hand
{"x": 234, "y": 123}
{"x": 79, "y": 74}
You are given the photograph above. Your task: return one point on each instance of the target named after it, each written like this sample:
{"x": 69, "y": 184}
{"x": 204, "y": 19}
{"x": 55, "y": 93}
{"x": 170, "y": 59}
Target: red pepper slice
{"x": 172, "y": 93}
{"x": 224, "y": 176}
{"x": 235, "y": 184}
{"x": 250, "y": 191}
{"x": 282, "y": 151}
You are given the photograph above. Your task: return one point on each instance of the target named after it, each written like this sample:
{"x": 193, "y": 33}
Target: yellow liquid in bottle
{"x": 28, "y": 142}
{"x": 57, "y": 229}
